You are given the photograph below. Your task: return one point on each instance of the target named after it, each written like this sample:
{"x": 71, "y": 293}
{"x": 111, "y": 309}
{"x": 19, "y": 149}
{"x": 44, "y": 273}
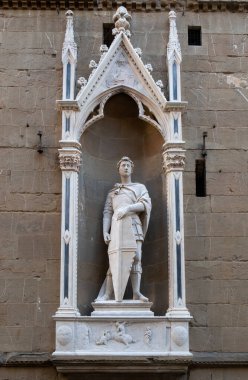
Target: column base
{"x": 66, "y": 311}
{"x": 178, "y": 314}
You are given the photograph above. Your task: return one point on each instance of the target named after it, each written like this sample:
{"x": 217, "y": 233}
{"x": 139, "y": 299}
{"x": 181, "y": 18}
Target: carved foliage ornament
{"x": 69, "y": 160}
{"x": 173, "y": 160}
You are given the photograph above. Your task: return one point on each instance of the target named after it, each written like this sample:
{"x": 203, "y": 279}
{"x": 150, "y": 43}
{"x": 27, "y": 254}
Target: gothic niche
{"x": 120, "y": 133}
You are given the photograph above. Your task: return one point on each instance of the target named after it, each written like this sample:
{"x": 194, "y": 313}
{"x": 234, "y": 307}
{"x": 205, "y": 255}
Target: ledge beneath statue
{"x": 119, "y": 336}
{"x": 126, "y": 308}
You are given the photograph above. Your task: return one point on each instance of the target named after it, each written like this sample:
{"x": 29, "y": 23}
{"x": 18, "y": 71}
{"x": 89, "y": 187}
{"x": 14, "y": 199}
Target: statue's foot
{"x": 138, "y": 296}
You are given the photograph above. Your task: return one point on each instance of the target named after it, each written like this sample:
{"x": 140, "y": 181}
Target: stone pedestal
{"x": 126, "y": 308}
{"x": 121, "y": 329}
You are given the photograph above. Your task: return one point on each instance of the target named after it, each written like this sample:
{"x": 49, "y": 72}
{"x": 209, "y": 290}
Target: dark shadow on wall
{"x": 120, "y": 133}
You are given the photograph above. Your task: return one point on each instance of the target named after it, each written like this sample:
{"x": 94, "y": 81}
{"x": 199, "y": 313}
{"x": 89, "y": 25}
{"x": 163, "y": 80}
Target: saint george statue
{"x": 125, "y": 221}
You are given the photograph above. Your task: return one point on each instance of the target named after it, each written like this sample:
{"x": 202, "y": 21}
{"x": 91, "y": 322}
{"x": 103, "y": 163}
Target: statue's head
{"x": 125, "y": 166}
{"x": 125, "y": 159}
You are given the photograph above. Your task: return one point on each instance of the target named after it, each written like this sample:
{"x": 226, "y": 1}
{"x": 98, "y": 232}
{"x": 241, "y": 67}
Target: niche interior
{"x": 120, "y": 133}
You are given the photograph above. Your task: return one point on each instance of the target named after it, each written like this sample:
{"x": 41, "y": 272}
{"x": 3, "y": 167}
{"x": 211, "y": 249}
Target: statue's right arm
{"x": 107, "y": 218}
{"x": 106, "y": 223}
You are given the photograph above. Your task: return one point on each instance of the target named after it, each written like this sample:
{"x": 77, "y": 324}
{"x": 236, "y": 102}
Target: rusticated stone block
{"x": 33, "y": 202}
{"x": 217, "y": 270}
{"x": 199, "y": 314}
{"x": 35, "y": 181}
{"x": 234, "y": 339}
{"x": 217, "y": 291}
{"x": 42, "y": 246}
{"x": 199, "y": 63}
{"x": 233, "y": 224}
{"x": 28, "y": 373}
{"x": 205, "y": 339}
{"x": 28, "y": 223}
{"x": 19, "y": 268}
{"x": 197, "y": 224}
{"x": 29, "y": 59}
{"x": 227, "y": 312}
{"x": 197, "y": 248}
{"x": 216, "y": 224}
{"x": 31, "y": 292}
{"x": 12, "y": 290}
{"x": 53, "y": 267}
{"x": 49, "y": 290}
{"x": 228, "y": 248}
{"x": 25, "y": 247}
{"x": 197, "y": 204}
{"x": 229, "y": 161}
{"x": 43, "y": 339}
{"x": 194, "y": 118}
{"x": 225, "y": 64}
{"x": 17, "y": 314}
{"x": 218, "y": 373}
{"x": 189, "y": 183}
{"x": 224, "y": 204}
{"x": 3, "y": 314}
{"x": 227, "y": 183}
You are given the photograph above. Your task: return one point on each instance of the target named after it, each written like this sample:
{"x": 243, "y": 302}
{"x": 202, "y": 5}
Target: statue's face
{"x": 125, "y": 169}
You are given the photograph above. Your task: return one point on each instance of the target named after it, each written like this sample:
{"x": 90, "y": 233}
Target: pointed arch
{"x": 159, "y": 121}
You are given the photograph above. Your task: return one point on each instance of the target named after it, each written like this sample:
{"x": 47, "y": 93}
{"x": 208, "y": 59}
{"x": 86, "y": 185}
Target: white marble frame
{"x": 168, "y": 114}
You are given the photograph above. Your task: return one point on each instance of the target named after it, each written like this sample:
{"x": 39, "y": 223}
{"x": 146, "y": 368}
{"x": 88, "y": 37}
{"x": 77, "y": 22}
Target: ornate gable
{"x": 120, "y": 66}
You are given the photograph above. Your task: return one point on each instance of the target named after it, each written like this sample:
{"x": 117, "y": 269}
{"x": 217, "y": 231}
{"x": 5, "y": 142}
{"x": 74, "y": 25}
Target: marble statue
{"x": 125, "y": 221}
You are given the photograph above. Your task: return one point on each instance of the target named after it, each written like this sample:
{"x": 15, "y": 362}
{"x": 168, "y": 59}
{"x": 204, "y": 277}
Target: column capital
{"x": 70, "y": 159}
{"x": 173, "y": 157}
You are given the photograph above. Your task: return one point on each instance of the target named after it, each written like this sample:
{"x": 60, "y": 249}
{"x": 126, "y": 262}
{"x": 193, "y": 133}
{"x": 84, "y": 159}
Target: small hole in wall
{"x": 200, "y": 177}
{"x": 107, "y": 34}
{"x": 194, "y": 36}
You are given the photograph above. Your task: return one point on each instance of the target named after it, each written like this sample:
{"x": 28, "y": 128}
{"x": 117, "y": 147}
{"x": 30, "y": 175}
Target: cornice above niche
{"x": 145, "y": 6}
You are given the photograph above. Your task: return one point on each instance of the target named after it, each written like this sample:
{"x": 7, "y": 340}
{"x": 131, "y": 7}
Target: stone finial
{"x": 69, "y": 44}
{"x": 121, "y": 19}
{"x": 173, "y": 47}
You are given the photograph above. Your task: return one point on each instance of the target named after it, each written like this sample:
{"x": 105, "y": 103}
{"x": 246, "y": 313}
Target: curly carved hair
{"x": 125, "y": 158}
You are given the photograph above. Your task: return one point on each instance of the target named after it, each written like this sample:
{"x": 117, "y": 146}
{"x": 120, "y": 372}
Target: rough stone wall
{"x": 30, "y": 189}
{"x": 215, "y": 84}
{"x": 214, "y": 80}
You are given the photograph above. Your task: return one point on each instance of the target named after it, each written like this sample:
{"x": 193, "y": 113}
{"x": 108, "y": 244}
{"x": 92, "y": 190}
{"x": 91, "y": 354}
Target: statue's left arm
{"x": 144, "y": 199}
{"x": 143, "y": 204}
{"x": 147, "y": 204}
